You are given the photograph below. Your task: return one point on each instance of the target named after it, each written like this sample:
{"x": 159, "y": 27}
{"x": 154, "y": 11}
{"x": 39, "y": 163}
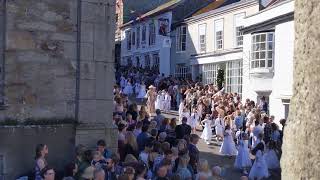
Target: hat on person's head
{"x": 151, "y": 87}
{"x": 88, "y": 173}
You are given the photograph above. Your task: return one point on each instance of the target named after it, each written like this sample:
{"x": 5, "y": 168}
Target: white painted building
{"x": 214, "y": 41}
{"x": 268, "y": 43}
{"x": 146, "y": 42}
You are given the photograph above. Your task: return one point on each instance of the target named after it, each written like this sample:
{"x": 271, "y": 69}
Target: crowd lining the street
{"x": 151, "y": 146}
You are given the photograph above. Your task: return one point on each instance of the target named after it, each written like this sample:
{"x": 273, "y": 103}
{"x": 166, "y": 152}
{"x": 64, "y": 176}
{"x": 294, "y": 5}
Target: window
{"x": 209, "y": 73}
{"x": 238, "y": 25}
{"x": 128, "y": 36}
{"x": 156, "y": 62}
{"x": 181, "y": 38}
{"x": 133, "y": 38}
{"x": 218, "y": 26}
{"x": 138, "y": 37}
{"x": 239, "y": 36}
{"x": 144, "y": 34}
{"x": 129, "y": 61}
{"x": 234, "y": 77}
{"x": 262, "y": 50}
{"x": 202, "y": 37}
{"x": 152, "y": 34}
{"x": 147, "y": 61}
{"x": 182, "y": 71}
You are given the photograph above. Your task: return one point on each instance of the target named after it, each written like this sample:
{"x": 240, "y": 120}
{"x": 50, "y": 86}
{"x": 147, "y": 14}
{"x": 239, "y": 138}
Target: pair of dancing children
{"x": 265, "y": 158}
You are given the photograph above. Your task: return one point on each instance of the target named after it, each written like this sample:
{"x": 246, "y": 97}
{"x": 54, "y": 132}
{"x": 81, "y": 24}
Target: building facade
{"x": 147, "y": 43}
{"x": 211, "y": 40}
{"x": 268, "y": 56}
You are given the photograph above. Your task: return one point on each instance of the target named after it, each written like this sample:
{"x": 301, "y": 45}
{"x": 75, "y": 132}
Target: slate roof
{"x": 214, "y": 5}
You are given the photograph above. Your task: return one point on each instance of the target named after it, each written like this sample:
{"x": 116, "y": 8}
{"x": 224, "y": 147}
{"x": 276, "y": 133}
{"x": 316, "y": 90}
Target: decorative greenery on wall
{"x": 31, "y": 121}
{"x": 220, "y": 78}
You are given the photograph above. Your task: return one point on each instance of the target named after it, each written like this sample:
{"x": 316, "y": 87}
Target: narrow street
{"x": 211, "y": 153}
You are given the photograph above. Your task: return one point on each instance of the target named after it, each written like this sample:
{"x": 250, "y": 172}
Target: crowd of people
{"x": 151, "y": 146}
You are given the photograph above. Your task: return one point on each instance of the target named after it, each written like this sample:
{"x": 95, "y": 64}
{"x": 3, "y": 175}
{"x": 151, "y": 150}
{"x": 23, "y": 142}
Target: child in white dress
{"x": 167, "y": 103}
{"x": 142, "y": 91}
{"x": 193, "y": 120}
{"x": 243, "y": 160}
{"x": 271, "y": 157}
{"x": 228, "y": 147}
{"x": 185, "y": 113}
{"x": 259, "y": 169}
{"x": 181, "y": 107}
{"x": 162, "y": 100}
{"x": 158, "y": 101}
{"x": 207, "y": 131}
{"x": 128, "y": 90}
{"x": 219, "y": 127}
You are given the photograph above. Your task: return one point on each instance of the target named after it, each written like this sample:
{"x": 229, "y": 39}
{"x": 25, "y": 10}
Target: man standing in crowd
{"x": 158, "y": 118}
{"x": 183, "y": 129}
{"x": 101, "y": 147}
{"x": 194, "y": 152}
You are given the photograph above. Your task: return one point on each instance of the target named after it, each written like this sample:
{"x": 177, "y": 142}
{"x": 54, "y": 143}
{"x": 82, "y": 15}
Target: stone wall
{"x": 17, "y": 148}
{"x": 40, "y": 58}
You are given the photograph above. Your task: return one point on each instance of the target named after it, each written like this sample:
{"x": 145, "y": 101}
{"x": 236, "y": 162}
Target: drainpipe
{"x": 78, "y": 61}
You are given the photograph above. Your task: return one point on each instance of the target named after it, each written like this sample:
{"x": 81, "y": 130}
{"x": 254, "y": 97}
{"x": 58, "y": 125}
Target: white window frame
{"x": 182, "y": 71}
{"x": 180, "y": 35}
{"x": 138, "y": 37}
{"x": 133, "y": 36}
{"x": 128, "y": 37}
{"x": 144, "y": 34}
{"x": 218, "y": 34}
{"x": 262, "y": 50}
{"x": 147, "y": 61}
{"x": 238, "y": 25}
{"x": 156, "y": 60}
{"x": 152, "y": 34}
{"x": 202, "y": 38}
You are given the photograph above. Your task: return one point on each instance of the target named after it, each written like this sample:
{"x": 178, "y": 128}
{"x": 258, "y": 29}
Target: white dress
{"x": 259, "y": 169}
{"x": 137, "y": 88}
{"x": 243, "y": 159}
{"x": 167, "y": 102}
{"x": 162, "y": 101}
{"x": 181, "y": 106}
{"x": 158, "y": 102}
{"x": 142, "y": 92}
{"x": 228, "y": 147}
{"x": 128, "y": 90}
{"x": 207, "y": 131}
{"x": 193, "y": 120}
{"x": 271, "y": 159}
{"x": 219, "y": 126}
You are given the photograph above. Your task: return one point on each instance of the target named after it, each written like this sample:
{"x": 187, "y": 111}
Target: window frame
{"x": 180, "y": 35}
{"x": 238, "y": 25}
{"x": 152, "y": 34}
{"x": 128, "y": 37}
{"x": 219, "y": 43}
{"x": 202, "y": 42}
{"x": 138, "y": 37}
{"x": 257, "y": 50}
{"x": 144, "y": 34}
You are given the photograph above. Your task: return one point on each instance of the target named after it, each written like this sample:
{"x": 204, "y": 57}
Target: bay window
{"x": 262, "y": 50}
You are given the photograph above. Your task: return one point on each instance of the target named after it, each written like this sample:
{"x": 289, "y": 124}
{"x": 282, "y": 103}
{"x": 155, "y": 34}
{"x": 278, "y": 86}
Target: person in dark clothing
{"x": 143, "y": 137}
{"x": 183, "y": 129}
{"x": 193, "y": 151}
{"x": 110, "y": 170}
{"x": 133, "y": 111}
